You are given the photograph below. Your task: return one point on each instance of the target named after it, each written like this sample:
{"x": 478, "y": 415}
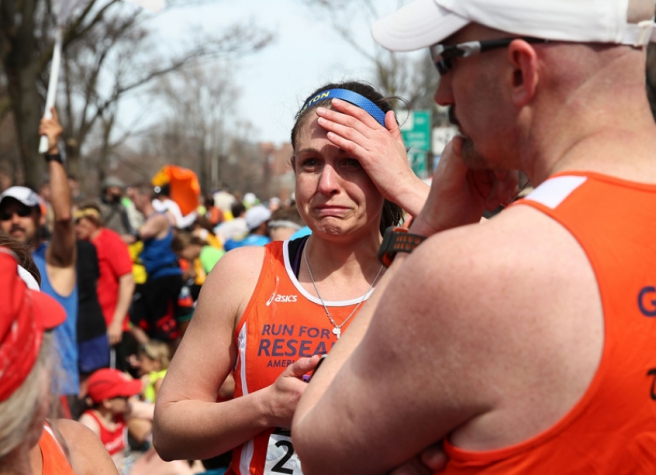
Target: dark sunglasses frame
{"x": 443, "y": 54}
{"x": 22, "y": 212}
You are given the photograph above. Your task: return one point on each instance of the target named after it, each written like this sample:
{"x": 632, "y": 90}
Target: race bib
{"x": 280, "y": 457}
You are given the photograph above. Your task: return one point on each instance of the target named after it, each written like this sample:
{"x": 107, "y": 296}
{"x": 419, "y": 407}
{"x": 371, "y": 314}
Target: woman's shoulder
{"x": 234, "y": 276}
{"x": 242, "y": 259}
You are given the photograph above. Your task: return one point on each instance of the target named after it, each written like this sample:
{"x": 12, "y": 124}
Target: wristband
{"x": 55, "y": 157}
{"x": 395, "y": 240}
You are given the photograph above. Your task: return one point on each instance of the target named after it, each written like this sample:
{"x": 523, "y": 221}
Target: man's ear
{"x": 524, "y": 61}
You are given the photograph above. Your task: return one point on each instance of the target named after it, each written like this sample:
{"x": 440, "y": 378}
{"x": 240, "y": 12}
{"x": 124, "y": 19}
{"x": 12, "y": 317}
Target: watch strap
{"x": 397, "y": 239}
{"x": 54, "y": 157}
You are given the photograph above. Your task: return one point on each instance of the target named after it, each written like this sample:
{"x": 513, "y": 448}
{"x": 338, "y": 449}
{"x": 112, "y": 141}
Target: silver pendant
{"x": 337, "y": 331}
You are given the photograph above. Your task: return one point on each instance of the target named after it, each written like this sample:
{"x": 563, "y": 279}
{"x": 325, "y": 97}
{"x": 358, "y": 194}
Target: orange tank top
{"x": 612, "y": 428}
{"x": 281, "y": 323}
{"x": 54, "y": 458}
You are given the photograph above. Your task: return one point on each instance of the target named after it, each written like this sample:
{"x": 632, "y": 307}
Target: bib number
{"x": 280, "y": 457}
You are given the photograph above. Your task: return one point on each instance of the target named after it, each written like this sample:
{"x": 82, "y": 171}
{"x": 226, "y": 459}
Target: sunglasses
{"x": 443, "y": 55}
{"x": 22, "y": 212}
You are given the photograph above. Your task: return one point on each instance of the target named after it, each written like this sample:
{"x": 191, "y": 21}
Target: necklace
{"x": 337, "y": 330}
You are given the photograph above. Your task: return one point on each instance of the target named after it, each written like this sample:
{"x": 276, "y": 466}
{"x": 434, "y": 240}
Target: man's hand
{"x": 459, "y": 194}
{"x": 52, "y": 129}
{"x": 115, "y": 331}
{"x": 286, "y": 392}
{"x": 431, "y": 460}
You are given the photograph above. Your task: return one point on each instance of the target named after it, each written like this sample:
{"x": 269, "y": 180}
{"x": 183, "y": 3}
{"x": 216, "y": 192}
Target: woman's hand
{"x": 380, "y": 151}
{"x": 284, "y": 394}
{"x": 459, "y": 194}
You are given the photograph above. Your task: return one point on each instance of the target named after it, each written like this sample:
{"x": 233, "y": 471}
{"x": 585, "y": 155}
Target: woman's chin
{"x": 328, "y": 230}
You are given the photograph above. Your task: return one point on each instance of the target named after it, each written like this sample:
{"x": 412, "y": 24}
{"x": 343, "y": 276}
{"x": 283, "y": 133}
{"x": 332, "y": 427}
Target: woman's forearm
{"x": 192, "y": 429}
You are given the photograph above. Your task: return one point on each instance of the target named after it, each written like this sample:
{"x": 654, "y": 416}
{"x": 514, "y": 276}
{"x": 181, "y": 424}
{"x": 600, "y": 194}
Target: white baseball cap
{"x": 423, "y": 23}
{"x": 257, "y": 215}
{"x": 23, "y": 194}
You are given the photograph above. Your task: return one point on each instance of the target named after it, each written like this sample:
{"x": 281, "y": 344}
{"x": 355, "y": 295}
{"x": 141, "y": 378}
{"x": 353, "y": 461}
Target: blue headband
{"x": 349, "y": 96}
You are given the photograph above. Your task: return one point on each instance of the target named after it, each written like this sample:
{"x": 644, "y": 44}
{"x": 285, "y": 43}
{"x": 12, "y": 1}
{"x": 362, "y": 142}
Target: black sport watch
{"x": 397, "y": 239}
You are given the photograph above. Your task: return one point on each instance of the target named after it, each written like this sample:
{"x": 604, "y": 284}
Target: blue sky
{"x": 273, "y": 82}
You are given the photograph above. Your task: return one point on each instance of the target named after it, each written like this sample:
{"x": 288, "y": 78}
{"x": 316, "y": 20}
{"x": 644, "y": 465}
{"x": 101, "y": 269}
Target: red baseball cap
{"x": 110, "y": 383}
{"x": 24, "y": 316}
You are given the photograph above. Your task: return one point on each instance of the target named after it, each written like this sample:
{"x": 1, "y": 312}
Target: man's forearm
{"x": 61, "y": 252}
{"x": 61, "y": 193}
{"x": 125, "y": 292}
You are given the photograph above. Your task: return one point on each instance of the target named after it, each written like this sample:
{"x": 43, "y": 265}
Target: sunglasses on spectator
{"x": 443, "y": 55}
{"x": 22, "y": 212}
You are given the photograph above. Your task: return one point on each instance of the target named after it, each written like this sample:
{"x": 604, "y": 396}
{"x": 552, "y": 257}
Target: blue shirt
{"x": 65, "y": 334}
{"x": 250, "y": 240}
{"x": 158, "y": 258}
{"x": 304, "y": 231}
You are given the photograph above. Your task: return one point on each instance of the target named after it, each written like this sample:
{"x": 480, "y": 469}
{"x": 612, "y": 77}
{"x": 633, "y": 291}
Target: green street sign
{"x": 416, "y": 131}
{"x": 418, "y": 163}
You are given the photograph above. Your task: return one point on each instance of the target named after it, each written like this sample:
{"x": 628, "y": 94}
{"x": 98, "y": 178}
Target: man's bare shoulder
{"x": 87, "y": 453}
{"x": 519, "y": 243}
{"x": 158, "y": 219}
{"x": 498, "y": 303}
{"x": 520, "y": 263}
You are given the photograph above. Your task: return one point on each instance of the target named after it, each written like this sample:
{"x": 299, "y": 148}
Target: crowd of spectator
{"x": 127, "y": 267}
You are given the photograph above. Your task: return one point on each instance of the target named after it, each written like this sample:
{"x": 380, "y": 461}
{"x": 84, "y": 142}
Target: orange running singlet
{"x": 54, "y": 458}
{"x": 282, "y": 323}
{"x": 612, "y": 429}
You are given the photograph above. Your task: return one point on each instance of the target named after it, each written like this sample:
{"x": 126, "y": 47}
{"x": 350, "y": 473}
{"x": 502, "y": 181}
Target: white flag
{"x": 65, "y": 9}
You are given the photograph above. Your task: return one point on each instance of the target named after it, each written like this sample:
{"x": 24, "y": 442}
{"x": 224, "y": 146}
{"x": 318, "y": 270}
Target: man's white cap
{"x": 257, "y": 215}
{"x": 423, "y": 23}
{"x": 250, "y": 199}
{"x": 23, "y": 194}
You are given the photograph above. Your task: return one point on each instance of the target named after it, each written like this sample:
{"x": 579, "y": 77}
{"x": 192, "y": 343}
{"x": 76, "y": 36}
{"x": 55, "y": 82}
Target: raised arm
{"x": 154, "y": 227}
{"x": 189, "y": 423}
{"x": 61, "y": 252}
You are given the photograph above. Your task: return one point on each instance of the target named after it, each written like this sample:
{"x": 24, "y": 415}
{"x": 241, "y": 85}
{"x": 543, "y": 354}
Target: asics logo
{"x": 281, "y": 298}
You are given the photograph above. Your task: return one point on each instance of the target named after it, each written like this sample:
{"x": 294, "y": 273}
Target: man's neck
{"x": 33, "y": 244}
{"x": 614, "y": 139}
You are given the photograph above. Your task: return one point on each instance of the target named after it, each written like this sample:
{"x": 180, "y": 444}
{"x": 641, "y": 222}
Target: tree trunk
{"x": 73, "y": 160}
{"x": 21, "y": 66}
{"x": 105, "y": 149}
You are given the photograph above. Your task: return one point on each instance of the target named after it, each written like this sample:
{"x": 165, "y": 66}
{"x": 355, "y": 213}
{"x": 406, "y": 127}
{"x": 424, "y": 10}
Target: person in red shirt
{"x": 109, "y": 392}
{"x": 116, "y": 283}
